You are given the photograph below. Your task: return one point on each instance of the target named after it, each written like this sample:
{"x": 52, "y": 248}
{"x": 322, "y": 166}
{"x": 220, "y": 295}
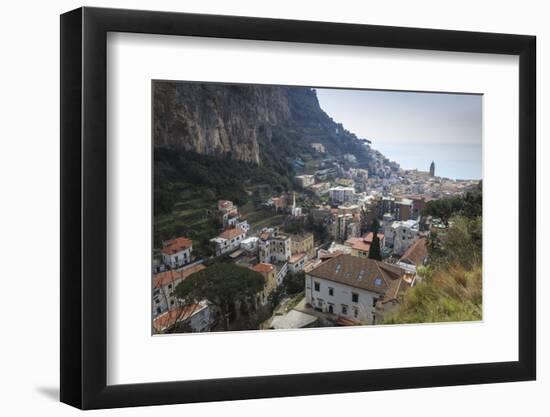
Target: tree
{"x": 318, "y": 229}
{"x": 364, "y": 221}
{"x": 222, "y": 284}
{"x": 294, "y": 282}
{"x": 461, "y": 244}
{"x": 374, "y": 251}
{"x": 469, "y": 205}
{"x": 375, "y": 226}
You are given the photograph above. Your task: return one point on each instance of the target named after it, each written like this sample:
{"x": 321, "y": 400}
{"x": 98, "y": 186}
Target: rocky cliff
{"x": 217, "y": 119}
{"x": 246, "y": 122}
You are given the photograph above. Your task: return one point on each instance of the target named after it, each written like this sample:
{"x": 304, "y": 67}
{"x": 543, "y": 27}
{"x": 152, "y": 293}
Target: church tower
{"x": 432, "y": 169}
{"x": 295, "y": 211}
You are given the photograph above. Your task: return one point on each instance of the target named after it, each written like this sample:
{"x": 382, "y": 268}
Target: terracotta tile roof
{"x": 231, "y": 233}
{"x": 176, "y": 245}
{"x": 417, "y": 253}
{"x": 312, "y": 264}
{"x": 363, "y": 273}
{"x": 167, "y": 277}
{"x": 176, "y": 315}
{"x": 394, "y": 288}
{"x": 368, "y": 236}
{"x": 344, "y": 321}
{"x": 358, "y": 243}
{"x": 263, "y": 267}
{"x": 325, "y": 254}
{"x": 224, "y": 204}
{"x": 296, "y": 258}
{"x": 265, "y": 235}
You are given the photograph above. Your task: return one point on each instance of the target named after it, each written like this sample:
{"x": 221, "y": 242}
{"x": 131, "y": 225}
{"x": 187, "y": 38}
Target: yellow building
{"x": 269, "y": 273}
{"x": 303, "y": 243}
{"x": 360, "y": 246}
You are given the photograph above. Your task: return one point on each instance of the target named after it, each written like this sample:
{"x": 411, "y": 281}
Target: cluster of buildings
{"x": 347, "y": 288}
{"x": 343, "y": 286}
{"x": 269, "y": 252}
{"x": 167, "y": 311}
{"x": 352, "y": 290}
{"x": 285, "y": 203}
{"x": 419, "y": 183}
{"x": 228, "y": 216}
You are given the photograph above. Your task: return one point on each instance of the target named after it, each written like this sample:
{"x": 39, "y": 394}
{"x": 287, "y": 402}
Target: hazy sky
{"x": 414, "y": 128}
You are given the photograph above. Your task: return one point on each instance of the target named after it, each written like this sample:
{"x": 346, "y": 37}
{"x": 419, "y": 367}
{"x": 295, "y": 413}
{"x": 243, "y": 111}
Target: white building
{"x": 228, "y": 241}
{"x": 341, "y": 194}
{"x": 415, "y": 256}
{"x": 400, "y": 235}
{"x": 343, "y": 226}
{"x": 281, "y": 271}
{"x": 274, "y": 247}
{"x": 296, "y": 262}
{"x": 196, "y": 317}
{"x": 295, "y": 211}
{"x": 227, "y": 213}
{"x": 164, "y": 285}
{"x": 319, "y": 147}
{"x": 305, "y": 180}
{"x": 350, "y": 158}
{"x": 243, "y": 224}
{"x": 177, "y": 252}
{"x": 250, "y": 244}
{"x": 353, "y": 290}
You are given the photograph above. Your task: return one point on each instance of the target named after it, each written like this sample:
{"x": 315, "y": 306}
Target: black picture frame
{"x": 84, "y": 207}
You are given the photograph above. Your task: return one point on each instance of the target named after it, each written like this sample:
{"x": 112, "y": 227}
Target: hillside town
{"x": 351, "y": 242}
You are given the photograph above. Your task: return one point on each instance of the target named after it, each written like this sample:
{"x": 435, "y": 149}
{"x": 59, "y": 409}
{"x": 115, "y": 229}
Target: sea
{"x": 454, "y": 161}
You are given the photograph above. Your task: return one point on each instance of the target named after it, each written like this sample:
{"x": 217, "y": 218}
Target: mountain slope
{"x": 260, "y": 124}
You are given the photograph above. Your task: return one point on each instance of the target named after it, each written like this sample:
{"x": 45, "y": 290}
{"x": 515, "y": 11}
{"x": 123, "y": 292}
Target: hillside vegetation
{"x": 221, "y": 139}
{"x": 240, "y": 143}
{"x": 451, "y": 289}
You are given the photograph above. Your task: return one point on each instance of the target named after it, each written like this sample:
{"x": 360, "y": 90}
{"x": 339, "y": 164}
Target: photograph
{"x": 292, "y": 207}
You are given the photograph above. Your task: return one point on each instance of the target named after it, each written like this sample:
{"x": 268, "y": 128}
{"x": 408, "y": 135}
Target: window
{"x": 169, "y": 286}
{"x": 355, "y": 312}
{"x": 354, "y": 297}
{"x": 157, "y": 301}
{"x": 158, "y": 310}
{"x": 317, "y": 286}
{"x": 171, "y": 302}
{"x": 331, "y": 308}
{"x": 331, "y": 291}
{"x": 344, "y": 309}
{"x": 374, "y": 300}
{"x": 319, "y": 306}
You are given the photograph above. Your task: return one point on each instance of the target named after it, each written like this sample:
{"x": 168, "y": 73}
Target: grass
{"x": 189, "y": 218}
{"x": 453, "y": 294}
{"x": 274, "y": 220}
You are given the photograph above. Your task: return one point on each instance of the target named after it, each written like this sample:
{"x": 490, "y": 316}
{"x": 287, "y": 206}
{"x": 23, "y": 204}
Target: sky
{"x": 414, "y": 128}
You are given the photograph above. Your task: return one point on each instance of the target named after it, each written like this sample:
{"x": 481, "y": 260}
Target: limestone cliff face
{"x": 266, "y": 125}
{"x": 215, "y": 119}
